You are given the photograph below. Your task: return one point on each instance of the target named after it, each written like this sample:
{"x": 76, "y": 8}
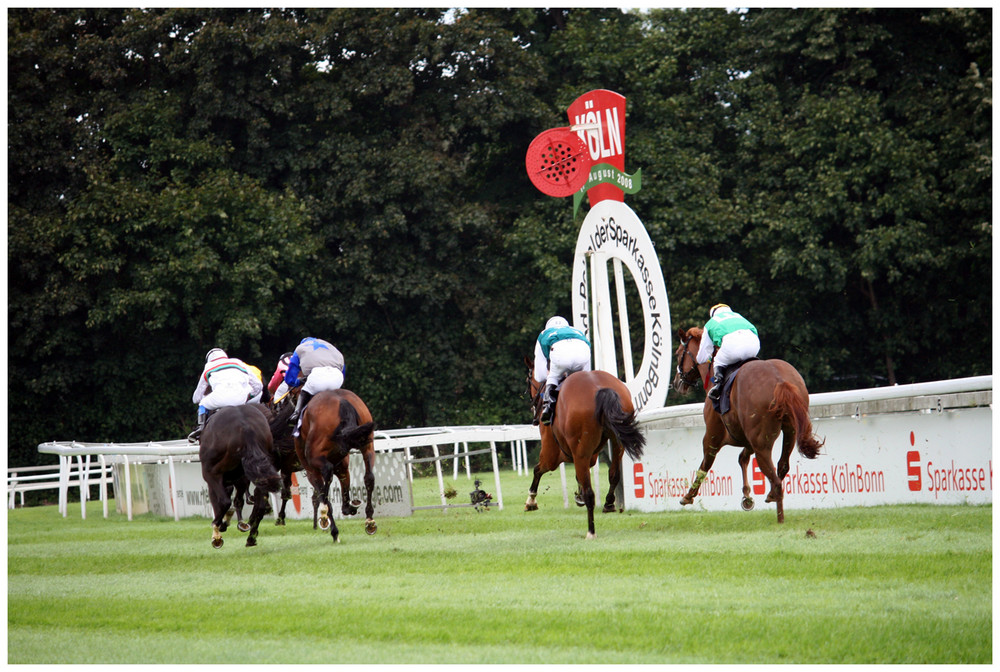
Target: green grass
{"x": 902, "y": 584}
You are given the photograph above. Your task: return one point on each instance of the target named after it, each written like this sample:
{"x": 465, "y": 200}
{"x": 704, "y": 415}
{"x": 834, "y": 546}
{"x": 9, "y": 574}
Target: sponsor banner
{"x": 151, "y": 490}
{"x": 892, "y": 458}
{"x": 611, "y": 227}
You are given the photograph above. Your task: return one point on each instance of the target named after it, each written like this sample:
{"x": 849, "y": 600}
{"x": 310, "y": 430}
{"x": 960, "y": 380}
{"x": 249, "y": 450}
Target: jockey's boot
{"x": 196, "y": 434}
{"x": 716, "y": 391}
{"x": 548, "y": 404}
{"x": 304, "y": 398}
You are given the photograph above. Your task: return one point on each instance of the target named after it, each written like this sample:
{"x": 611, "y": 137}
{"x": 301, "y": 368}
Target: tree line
{"x": 182, "y": 179}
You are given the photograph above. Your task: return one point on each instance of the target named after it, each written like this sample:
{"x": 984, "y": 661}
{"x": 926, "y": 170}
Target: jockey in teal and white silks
{"x": 321, "y": 367}
{"x": 735, "y": 337}
{"x": 231, "y": 382}
{"x": 559, "y": 351}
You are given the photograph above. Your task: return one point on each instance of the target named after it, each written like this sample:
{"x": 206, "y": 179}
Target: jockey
{"x": 559, "y": 351}
{"x": 736, "y": 339}
{"x": 277, "y": 385}
{"x": 321, "y": 366}
{"x": 231, "y": 382}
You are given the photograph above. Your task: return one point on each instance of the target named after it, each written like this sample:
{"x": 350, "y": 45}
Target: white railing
{"x": 405, "y": 440}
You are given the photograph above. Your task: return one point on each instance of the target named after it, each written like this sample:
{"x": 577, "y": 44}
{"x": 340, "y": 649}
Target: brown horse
{"x": 334, "y": 423}
{"x": 767, "y": 397}
{"x": 236, "y": 449}
{"x": 592, "y": 407}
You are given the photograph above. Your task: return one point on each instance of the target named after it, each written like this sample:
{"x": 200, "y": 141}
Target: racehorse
{"x": 333, "y": 423}
{"x": 767, "y": 397}
{"x": 236, "y": 446}
{"x": 592, "y": 407}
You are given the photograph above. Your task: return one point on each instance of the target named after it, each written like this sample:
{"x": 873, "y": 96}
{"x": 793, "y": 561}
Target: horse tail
{"x": 349, "y": 434}
{"x": 610, "y": 415}
{"x": 256, "y": 465}
{"x": 788, "y": 403}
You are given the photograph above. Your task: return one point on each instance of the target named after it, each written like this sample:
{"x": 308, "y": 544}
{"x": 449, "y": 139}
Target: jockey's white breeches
{"x": 323, "y": 378}
{"x": 736, "y": 347}
{"x": 229, "y": 388}
{"x": 565, "y": 357}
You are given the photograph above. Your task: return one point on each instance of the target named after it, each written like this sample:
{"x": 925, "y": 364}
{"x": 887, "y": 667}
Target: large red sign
{"x": 606, "y": 143}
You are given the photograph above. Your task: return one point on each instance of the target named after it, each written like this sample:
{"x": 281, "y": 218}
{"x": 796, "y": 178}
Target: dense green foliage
{"x": 900, "y": 584}
{"x": 180, "y": 179}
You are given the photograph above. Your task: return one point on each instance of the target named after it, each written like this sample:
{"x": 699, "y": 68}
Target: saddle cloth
{"x": 722, "y": 405}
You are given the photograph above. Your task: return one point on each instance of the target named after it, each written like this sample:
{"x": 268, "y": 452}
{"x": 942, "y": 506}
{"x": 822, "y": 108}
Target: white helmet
{"x": 215, "y": 353}
{"x": 556, "y": 321}
{"x": 717, "y": 307}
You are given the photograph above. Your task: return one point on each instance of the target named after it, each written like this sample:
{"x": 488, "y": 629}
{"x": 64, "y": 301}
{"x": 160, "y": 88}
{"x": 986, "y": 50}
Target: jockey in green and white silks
{"x": 232, "y": 384}
{"x": 559, "y": 351}
{"x": 735, "y": 337}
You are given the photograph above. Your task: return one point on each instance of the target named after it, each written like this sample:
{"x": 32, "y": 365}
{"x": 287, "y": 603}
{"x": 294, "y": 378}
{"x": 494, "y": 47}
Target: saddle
{"x": 722, "y": 405}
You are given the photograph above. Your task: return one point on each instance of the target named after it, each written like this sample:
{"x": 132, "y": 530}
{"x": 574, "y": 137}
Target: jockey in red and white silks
{"x": 231, "y": 382}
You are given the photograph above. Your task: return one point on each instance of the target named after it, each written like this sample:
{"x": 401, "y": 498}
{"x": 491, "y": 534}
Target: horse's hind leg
{"x": 614, "y": 479}
{"x": 744, "y": 461}
{"x": 347, "y": 507}
{"x": 218, "y": 495}
{"x": 776, "y": 493}
{"x": 587, "y": 491}
{"x": 369, "y": 456}
{"x": 260, "y": 507}
{"x": 286, "y": 494}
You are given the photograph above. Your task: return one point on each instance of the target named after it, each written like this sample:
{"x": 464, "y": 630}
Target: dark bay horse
{"x": 236, "y": 448}
{"x": 334, "y": 423}
{"x": 592, "y": 407}
{"x": 767, "y": 398}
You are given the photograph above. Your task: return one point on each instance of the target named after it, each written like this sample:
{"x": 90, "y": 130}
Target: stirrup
{"x": 194, "y": 436}
{"x": 715, "y": 393}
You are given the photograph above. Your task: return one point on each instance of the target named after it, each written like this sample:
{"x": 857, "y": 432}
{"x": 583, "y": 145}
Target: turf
{"x": 900, "y": 584}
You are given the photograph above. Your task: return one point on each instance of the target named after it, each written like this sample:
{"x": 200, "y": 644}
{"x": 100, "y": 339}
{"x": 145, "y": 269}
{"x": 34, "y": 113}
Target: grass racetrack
{"x": 900, "y": 584}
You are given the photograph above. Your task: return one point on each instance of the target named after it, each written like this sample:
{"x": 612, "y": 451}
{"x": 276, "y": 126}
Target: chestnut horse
{"x": 334, "y": 423}
{"x": 767, "y": 397}
{"x": 236, "y": 449}
{"x": 592, "y": 407}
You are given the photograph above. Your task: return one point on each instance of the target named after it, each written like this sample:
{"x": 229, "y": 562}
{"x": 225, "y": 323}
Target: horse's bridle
{"x": 534, "y": 399}
{"x": 687, "y": 378}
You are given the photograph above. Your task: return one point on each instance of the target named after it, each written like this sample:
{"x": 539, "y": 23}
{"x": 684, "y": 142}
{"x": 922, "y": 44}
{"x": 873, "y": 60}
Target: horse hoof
{"x": 579, "y": 500}
{"x": 608, "y": 508}
{"x": 243, "y": 526}
{"x": 280, "y": 521}
{"x": 251, "y": 541}
{"x": 355, "y": 502}
{"x": 685, "y": 501}
{"x": 591, "y": 535}
{"x": 217, "y": 543}
{"x": 324, "y": 523}
{"x": 747, "y": 503}
{"x": 370, "y": 526}
{"x": 531, "y": 507}
{"x": 249, "y": 499}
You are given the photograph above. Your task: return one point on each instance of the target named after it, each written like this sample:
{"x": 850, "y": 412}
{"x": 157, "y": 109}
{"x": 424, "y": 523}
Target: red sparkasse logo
{"x": 913, "y": 470}
{"x": 640, "y": 487}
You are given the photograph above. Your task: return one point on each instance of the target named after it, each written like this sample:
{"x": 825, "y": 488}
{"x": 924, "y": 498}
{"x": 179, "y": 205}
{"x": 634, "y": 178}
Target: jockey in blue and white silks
{"x": 321, "y": 366}
{"x": 559, "y": 351}
{"x": 735, "y": 337}
{"x": 232, "y": 384}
